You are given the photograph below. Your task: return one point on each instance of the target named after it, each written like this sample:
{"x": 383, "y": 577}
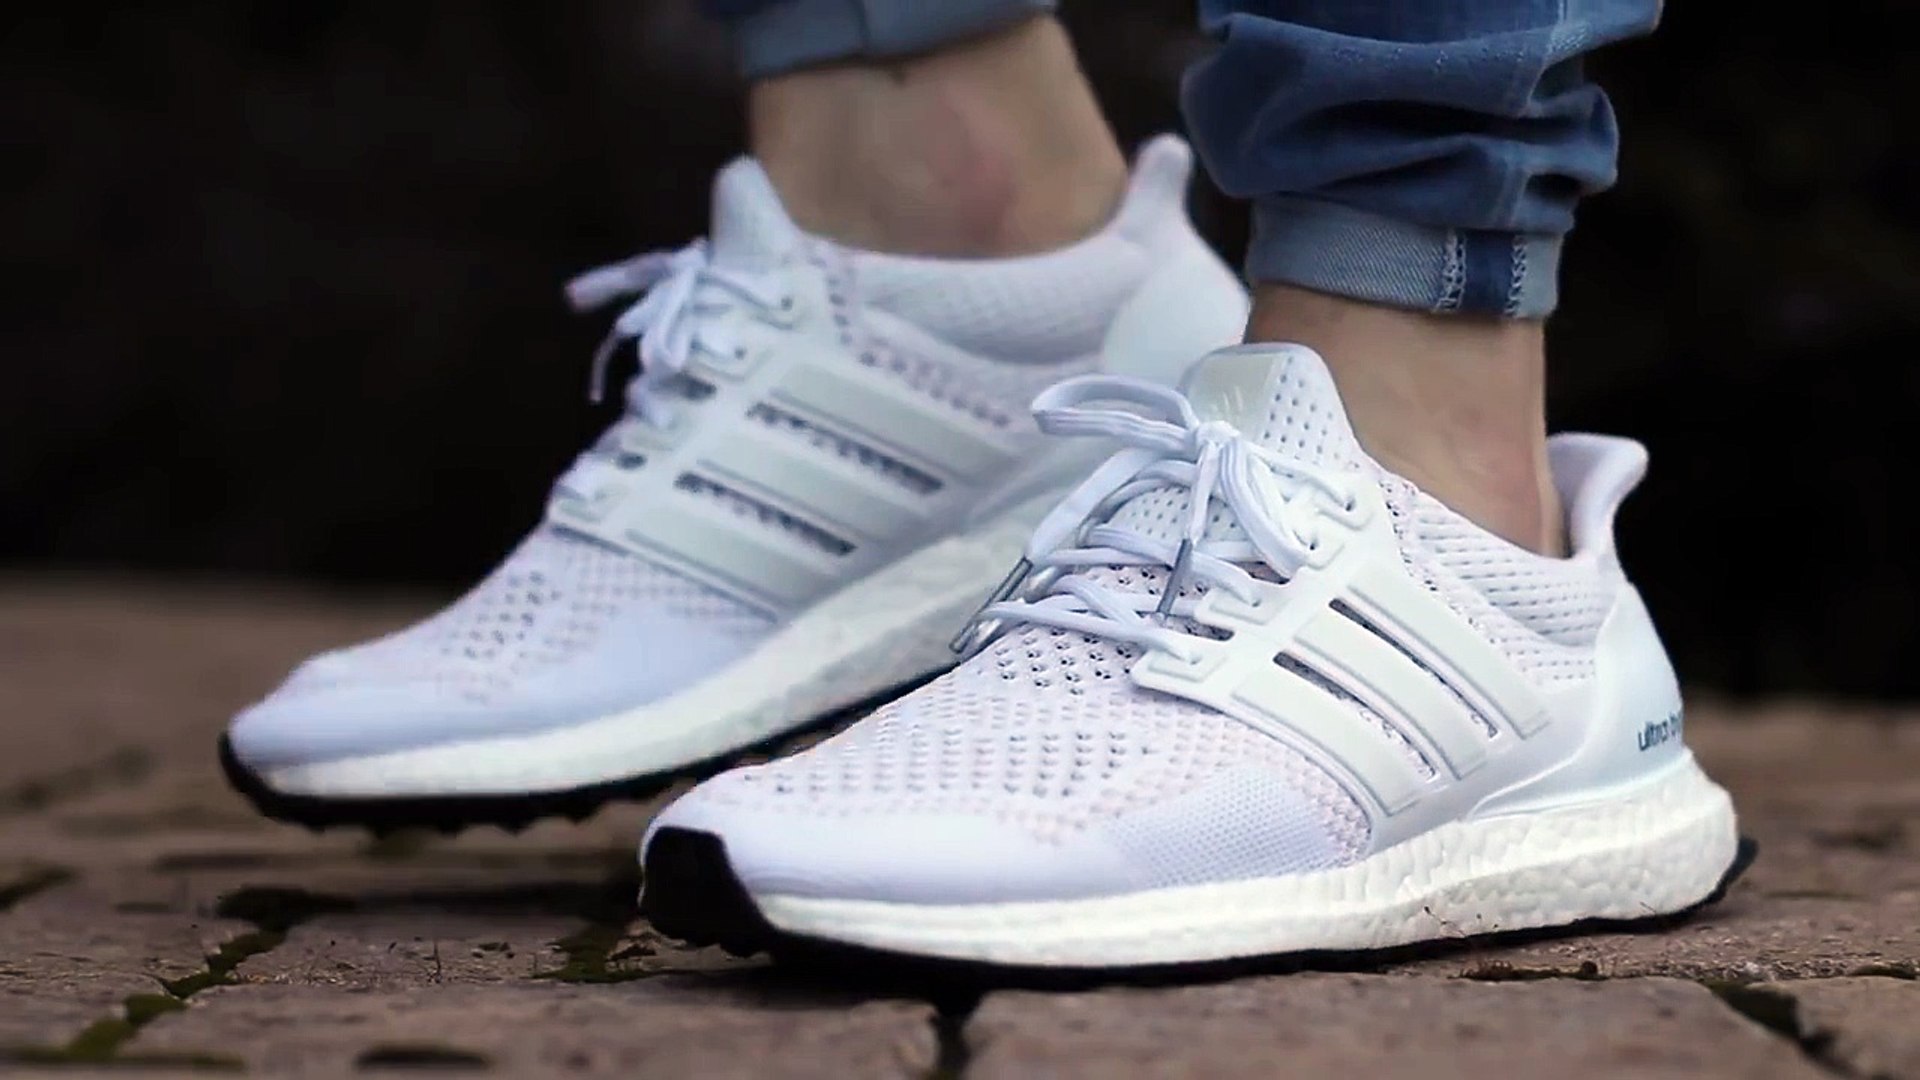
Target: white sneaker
{"x": 1352, "y": 720}
{"x": 825, "y": 463}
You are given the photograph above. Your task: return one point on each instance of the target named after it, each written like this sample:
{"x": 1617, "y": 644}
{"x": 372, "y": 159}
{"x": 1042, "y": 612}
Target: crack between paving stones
{"x": 955, "y": 1052}
{"x": 1772, "y": 1010}
{"x": 590, "y": 951}
{"x": 1780, "y": 1014}
{"x": 1501, "y": 971}
{"x": 589, "y": 956}
{"x": 593, "y": 957}
{"x": 273, "y": 912}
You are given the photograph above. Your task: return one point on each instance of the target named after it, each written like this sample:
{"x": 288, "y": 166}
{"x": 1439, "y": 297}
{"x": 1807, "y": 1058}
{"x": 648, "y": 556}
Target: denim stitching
{"x": 1452, "y": 275}
{"x": 1518, "y": 281}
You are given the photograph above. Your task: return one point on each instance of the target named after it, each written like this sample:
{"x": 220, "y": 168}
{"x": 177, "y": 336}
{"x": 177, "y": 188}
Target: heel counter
{"x": 1615, "y": 730}
{"x": 1188, "y": 306}
{"x": 1639, "y": 718}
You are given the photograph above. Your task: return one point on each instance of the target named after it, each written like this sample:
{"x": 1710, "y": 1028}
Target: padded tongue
{"x": 751, "y": 229}
{"x": 1282, "y": 396}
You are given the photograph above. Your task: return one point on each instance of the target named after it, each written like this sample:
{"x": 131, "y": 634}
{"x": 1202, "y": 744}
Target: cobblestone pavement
{"x": 148, "y": 920}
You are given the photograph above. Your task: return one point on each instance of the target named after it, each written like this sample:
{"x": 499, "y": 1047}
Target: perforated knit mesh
{"x": 992, "y": 393}
{"x": 996, "y": 389}
{"x": 1558, "y": 599}
{"x": 1542, "y": 613}
{"x": 1014, "y": 326}
{"x": 1555, "y": 598}
{"x": 1307, "y": 421}
{"x": 1044, "y": 658}
{"x": 549, "y": 602}
{"x": 1046, "y": 761}
{"x": 1037, "y": 310}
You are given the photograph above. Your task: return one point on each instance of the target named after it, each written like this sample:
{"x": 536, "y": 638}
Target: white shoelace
{"x": 680, "y": 314}
{"x": 681, "y": 294}
{"x": 1278, "y": 502}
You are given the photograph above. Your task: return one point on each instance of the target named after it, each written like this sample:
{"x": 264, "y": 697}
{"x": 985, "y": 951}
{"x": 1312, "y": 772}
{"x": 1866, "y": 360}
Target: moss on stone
{"x": 589, "y": 952}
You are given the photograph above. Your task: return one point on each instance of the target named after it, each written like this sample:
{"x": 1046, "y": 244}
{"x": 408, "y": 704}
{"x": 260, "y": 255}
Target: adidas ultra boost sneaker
{"x": 1249, "y": 693}
{"x": 825, "y": 462}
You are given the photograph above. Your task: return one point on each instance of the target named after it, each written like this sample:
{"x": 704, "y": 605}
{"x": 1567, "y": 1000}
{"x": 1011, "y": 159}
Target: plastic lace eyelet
{"x": 786, "y": 313}
{"x": 1353, "y": 514}
{"x": 1321, "y": 552}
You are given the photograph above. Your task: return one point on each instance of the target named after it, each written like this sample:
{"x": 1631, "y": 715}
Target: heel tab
{"x": 1594, "y": 475}
{"x": 1156, "y": 197}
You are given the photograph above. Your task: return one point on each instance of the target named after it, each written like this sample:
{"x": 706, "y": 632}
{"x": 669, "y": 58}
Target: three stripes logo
{"x": 1435, "y": 711}
{"x": 840, "y": 465}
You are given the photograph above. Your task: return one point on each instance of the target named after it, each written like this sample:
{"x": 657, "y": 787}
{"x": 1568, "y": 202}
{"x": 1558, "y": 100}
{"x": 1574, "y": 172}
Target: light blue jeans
{"x": 1426, "y": 154}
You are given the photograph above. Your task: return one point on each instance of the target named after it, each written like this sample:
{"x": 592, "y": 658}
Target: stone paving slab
{"x": 1746, "y": 938}
{"x": 665, "y": 1027}
{"x": 1378, "y": 1027}
{"x": 435, "y": 933}
{"x": 180, "y": 815}
{"x": 373, "y": 951}
{"x": 1866, "y": 1026}
{"x": 69, "y": 957}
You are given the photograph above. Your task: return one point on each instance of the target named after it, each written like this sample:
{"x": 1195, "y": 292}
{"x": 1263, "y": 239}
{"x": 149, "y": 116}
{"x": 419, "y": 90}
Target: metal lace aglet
{"x": 602, "y": 361}
{"x": 1176, "y": 580}
{"x": 1008, "y": 585}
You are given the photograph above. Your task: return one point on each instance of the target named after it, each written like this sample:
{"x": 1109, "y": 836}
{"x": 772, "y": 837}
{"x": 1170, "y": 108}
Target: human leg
{"x": 1414, "y": 168}
{"x": 985, "y": 145}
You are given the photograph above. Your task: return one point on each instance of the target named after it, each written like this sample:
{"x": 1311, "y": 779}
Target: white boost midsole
{"x": 1658, "y": 847}
{"x": 889, "y": 628}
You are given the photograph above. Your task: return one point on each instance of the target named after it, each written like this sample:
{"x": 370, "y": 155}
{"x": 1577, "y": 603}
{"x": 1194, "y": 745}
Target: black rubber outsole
{"x": 451, "y": 814}
{"x": 447, "y": 814}
{"x": 690, "y": 892}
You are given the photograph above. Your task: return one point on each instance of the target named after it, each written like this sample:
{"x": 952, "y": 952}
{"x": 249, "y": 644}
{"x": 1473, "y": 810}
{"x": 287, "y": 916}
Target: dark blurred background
{"x": 283, "y": 290}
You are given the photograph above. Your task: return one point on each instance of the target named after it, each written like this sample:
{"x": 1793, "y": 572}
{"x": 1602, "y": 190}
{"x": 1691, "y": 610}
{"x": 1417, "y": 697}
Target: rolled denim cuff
{"x": 780, "y": 37}
{"x": 1336, "y": 249}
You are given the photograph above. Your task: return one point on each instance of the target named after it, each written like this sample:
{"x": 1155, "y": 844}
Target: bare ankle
{"x": 1455, "y": 404}
{"x": 992, "y": 147}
